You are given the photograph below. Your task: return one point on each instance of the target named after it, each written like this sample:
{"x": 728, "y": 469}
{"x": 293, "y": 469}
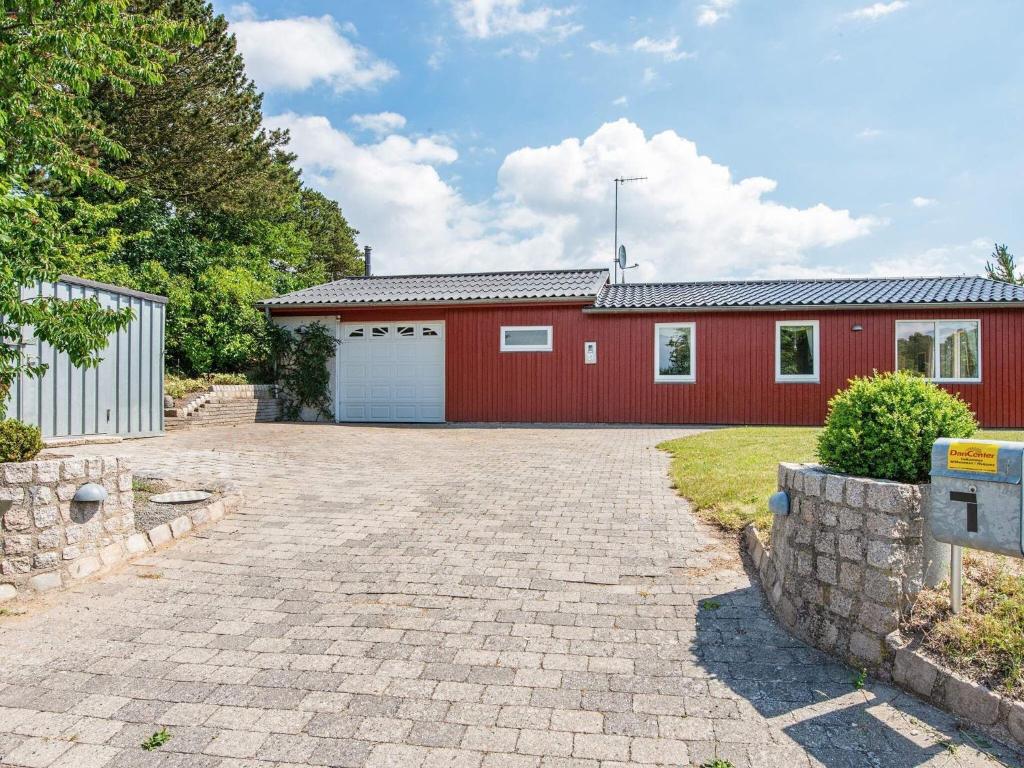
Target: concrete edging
{"x": 184, "y": 525}
{"x": 912, "y": 671}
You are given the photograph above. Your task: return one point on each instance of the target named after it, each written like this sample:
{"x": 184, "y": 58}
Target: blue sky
{"x": 781, "y": 139}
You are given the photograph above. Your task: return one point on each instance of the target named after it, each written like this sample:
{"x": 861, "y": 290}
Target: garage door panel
{"x": 392, "y": 372}
{"x": 357, "y": 372}
{"x": 353, "y": 412}
{"x": 356, "y": 352}
{"x": 356, "y": 392}
{"x": 432, "y": 392}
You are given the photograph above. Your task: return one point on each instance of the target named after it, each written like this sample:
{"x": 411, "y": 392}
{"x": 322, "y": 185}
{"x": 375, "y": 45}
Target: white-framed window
{"x": 797, "y": 350}
{"x": 526, "y": 338}
{"x": 675, "y": 352}
{"x": 941, "y": 350}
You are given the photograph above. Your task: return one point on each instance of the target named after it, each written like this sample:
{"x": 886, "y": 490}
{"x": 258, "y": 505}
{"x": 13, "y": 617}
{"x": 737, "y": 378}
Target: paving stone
{"x": 497, "y": 598}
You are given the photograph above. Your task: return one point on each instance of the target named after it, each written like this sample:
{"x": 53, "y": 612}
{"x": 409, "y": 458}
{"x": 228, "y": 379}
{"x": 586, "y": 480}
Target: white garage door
{"x": 391, "y": 372}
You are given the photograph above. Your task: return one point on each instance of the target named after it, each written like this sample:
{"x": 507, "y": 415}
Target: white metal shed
{"x": 123, "y": 395}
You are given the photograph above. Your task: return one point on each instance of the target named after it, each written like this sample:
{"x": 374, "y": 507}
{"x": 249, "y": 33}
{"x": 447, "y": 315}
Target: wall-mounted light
{"x": 857, "y": 328}
{"x": 778, "y": 503}
{"x": 91, "y": 492}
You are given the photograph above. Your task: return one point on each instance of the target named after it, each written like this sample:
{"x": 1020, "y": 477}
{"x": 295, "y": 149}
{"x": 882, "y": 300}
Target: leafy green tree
{"x": 1003, "y": 267}
{"x": 332, "y": 240}
{"x": 197, "y": 138}
{"x": 51, "y": 55}
{"x": 212, "y": 214}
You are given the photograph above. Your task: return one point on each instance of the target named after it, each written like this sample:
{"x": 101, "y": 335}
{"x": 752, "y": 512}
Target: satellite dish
{"x": 622, "y": 257}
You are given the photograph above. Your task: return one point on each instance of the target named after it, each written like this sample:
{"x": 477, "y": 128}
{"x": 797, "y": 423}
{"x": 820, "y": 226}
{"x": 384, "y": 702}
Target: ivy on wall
{"x": 301, "y": 373}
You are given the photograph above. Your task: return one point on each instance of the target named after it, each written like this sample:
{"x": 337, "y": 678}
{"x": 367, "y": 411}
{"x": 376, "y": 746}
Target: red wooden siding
{"x": 735, "y": 368}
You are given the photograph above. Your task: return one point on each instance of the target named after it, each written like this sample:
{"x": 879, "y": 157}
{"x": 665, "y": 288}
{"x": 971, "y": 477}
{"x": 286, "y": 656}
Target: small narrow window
{"x": 356, "y": 333}
{"x": 796, "y": 351}
{"x": 380, "y": 330}
{"x": 406, "y": 330}
{"x": 941, "y": 350}
{"x": 526, "y": 338}
{"x": 428, "y": 330}
{"x": 675, "y": 352}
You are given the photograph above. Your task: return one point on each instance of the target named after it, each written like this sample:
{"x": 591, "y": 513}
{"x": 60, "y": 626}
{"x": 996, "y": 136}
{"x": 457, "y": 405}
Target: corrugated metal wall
{"x": 735, "y": 365}
{"x": 122, "y": 396}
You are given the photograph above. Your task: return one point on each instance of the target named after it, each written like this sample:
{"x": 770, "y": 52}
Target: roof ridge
{"x": 470, "y": 274}
{"x": 787, "y": 281}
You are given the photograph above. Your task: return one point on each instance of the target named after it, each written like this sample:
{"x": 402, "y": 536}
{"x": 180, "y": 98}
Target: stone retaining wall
{"x": 226, "y": 405}
{"x": 846, "y": 562}
{"x": 50, "y": 540}
{"x": 843, "y": 570}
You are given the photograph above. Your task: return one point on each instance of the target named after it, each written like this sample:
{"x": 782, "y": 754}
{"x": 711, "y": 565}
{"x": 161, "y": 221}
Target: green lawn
{"x": 729, "y": 474}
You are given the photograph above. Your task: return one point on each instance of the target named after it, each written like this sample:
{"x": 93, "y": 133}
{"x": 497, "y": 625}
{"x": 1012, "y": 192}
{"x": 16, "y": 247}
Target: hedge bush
{"x": 178, "y": 386}
{"x": 19, "y": 441}
{"x": 883, "y": 426}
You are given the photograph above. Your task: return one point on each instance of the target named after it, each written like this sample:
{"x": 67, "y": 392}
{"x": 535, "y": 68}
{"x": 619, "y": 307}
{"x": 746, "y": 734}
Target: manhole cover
{"x": 180, "y": 497}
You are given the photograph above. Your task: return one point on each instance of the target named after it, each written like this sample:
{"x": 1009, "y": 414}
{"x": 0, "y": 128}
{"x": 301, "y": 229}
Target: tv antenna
{"x": 620, "y": 255}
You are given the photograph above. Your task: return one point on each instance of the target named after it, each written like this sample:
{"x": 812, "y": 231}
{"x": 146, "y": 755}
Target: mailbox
{"x": 976, "y": 495}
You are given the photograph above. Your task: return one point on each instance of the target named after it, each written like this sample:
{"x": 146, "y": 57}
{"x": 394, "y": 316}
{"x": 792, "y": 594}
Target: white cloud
{"x": 551, "y": 206}
{"x": 524, "y": 52}
{"x": 870, "y": 133}
{"x": 958, "y": 259}
{"x": 296, "y": 53}
{"x": 620, "y": 102}
{"x": 599, "y": 46}
{"x": 494, "y": 18}
{"x": 667, "y": 48}
{"x": 923, "y": 202}
{"x": 380, "y": 122}
{"x": 649, "y": 76}
{"x": 875, "y": 11}
{"x": 713, "y": 12}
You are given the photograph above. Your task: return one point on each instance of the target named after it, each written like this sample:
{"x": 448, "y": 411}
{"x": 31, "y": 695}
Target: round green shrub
{"x": 19, "y": 441}
{"x": 883, "y": 426}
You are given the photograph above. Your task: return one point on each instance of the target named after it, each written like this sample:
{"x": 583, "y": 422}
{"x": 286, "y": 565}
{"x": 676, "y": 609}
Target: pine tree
{"x": 1003, "y": 267}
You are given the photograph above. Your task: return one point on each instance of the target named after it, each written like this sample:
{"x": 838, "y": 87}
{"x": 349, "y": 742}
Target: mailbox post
{"x": 977, "y": 500}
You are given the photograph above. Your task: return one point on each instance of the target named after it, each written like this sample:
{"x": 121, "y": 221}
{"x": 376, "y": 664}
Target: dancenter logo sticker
{"x": 973, "y": 457}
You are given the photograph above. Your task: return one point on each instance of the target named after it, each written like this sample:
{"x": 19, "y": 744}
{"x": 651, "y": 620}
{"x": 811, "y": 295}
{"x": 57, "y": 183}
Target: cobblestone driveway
{"x": 438, "y": 598}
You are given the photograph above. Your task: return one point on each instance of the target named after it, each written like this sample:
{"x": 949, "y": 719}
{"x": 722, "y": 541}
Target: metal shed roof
{"x": 837, "y": 293}
{"x": 467, "y": 287}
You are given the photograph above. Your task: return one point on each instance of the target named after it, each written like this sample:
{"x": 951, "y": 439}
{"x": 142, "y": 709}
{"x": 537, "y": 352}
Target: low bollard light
{"x": 778, "y": 503}
{"x": 91, "y": 492}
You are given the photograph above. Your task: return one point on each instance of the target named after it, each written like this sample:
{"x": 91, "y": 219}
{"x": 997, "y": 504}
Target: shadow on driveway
{"x": 814, "y": 701}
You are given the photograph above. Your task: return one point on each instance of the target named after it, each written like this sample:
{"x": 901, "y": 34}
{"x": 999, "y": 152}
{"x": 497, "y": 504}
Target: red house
{"x": 568, "y": 346}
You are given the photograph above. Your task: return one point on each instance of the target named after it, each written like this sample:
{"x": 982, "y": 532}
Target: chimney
{"x": 366, "y": 260}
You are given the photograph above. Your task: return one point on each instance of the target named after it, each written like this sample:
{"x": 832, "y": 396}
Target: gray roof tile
{"x": 481, "y": 286}
{"x": 808, "y": 293}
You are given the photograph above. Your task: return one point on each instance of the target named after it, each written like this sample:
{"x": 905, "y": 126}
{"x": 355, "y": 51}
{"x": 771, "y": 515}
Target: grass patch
{"x": 180, "y": 386}
{"x": 986, "y": 640}
{"x": 729, "y": 474}
{"x": 143, "y": 486}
